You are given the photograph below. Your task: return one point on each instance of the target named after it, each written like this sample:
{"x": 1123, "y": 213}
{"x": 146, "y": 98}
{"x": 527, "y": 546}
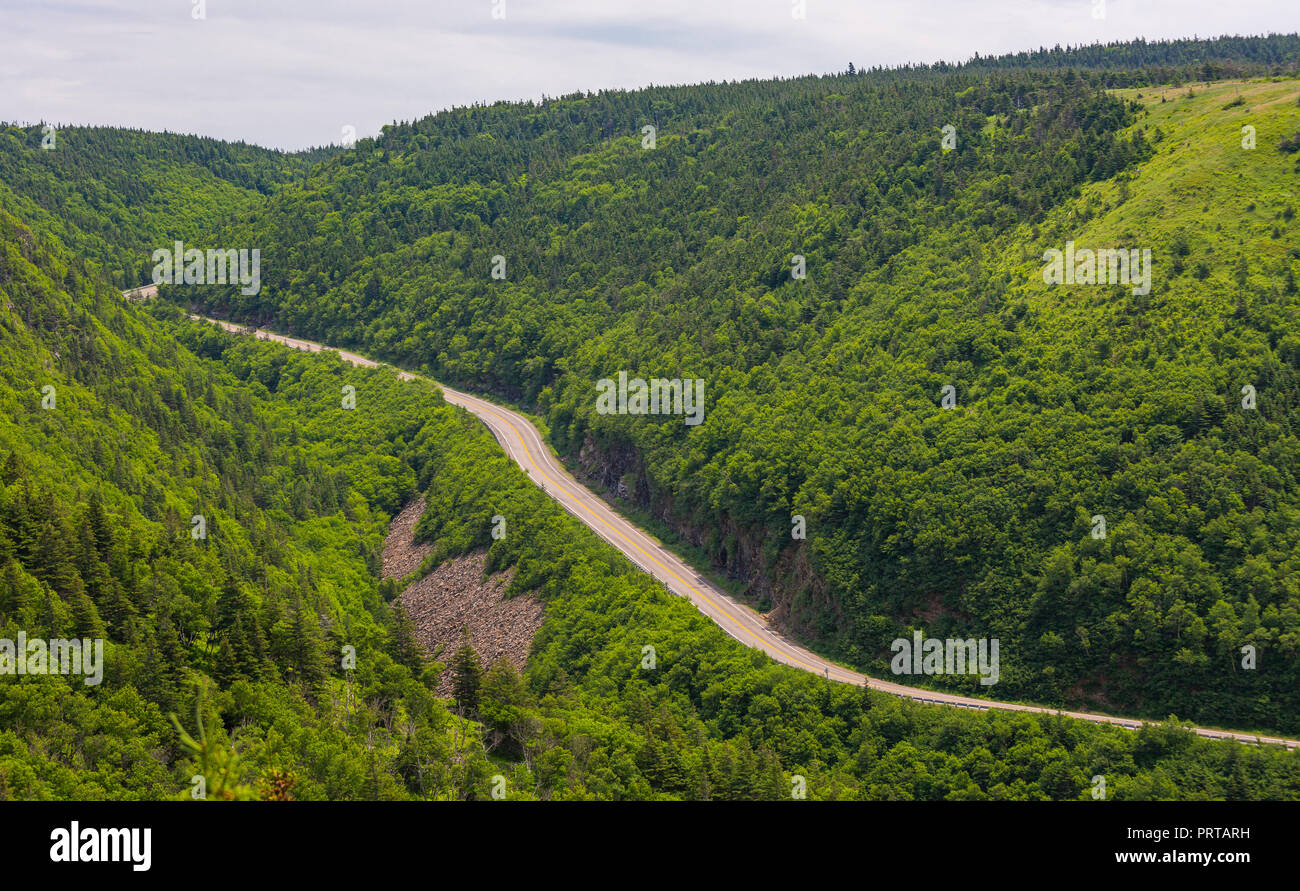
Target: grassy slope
{"x": 1213, "y": 334}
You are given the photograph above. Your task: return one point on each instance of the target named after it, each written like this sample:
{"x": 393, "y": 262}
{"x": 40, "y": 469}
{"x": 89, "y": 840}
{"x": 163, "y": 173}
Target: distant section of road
{"x": 524, "y": 444}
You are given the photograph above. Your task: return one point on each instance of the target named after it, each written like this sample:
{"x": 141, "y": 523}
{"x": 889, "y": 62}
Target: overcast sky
{"x": 294, "y": 73}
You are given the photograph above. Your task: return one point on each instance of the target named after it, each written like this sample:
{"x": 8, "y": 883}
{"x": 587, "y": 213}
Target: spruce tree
{"x": 468, "y": 673}
{"x": 308, "y": 652}
{"x": 405, "y": 647}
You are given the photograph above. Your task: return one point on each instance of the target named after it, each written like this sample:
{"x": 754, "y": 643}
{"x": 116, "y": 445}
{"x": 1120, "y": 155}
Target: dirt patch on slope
{"x": 456, "y": 597}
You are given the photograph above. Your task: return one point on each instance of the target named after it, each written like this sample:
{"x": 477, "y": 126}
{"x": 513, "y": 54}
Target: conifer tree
{"x": 405, "y": 648}
{"x": 468, "y": 673}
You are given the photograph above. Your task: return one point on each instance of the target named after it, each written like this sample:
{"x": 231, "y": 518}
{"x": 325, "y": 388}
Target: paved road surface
{"x": 524, "y": 444}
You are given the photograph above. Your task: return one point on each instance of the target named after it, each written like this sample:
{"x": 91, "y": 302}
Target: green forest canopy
{"x": 823, "y": 400}
{"x": 824, "y": 393}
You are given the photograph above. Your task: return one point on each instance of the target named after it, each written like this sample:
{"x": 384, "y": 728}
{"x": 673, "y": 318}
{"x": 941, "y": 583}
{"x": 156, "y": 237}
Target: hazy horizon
{"x": 293, "y": 76}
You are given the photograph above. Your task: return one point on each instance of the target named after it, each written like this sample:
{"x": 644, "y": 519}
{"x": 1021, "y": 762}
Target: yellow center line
{"x": 523, "y": 442}
{"x": 884, "y": 685}
{"x": 874, "y": 683}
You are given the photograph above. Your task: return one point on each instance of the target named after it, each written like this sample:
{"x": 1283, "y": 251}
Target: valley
{"x": 926, "y": 433}
{"x": 519, "y": 438}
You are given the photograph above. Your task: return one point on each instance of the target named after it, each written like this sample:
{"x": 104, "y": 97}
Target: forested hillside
{"x": 156, "y": 421}
{"x": 114, "y": 195}
{"x": 215, "y": 507}
{"x": 713, "y": 719}
{"x": 1140, "y": 61}
{"x": 219, "y": 524}
{"x": 669, "y": 254}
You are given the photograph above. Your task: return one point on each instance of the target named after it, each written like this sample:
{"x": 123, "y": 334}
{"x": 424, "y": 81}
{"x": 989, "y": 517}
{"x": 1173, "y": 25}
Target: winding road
{"x": 523, "y": 443}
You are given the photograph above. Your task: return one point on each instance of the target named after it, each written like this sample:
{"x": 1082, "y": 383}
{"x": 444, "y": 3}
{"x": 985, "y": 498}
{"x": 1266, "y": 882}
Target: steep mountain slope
{"x": 218, "y": 525}
{"x": 825, "y": 394}
{"x": 258, "y": 611}
{"x": 99, "y": 488}
{"x": 114, "y": 195}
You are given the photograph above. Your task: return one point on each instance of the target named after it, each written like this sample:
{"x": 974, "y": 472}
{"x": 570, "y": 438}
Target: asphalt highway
{"x": 523, "y": 443}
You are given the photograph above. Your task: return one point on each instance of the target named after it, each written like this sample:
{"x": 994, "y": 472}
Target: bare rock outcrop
{"x": 456, "y": 597}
